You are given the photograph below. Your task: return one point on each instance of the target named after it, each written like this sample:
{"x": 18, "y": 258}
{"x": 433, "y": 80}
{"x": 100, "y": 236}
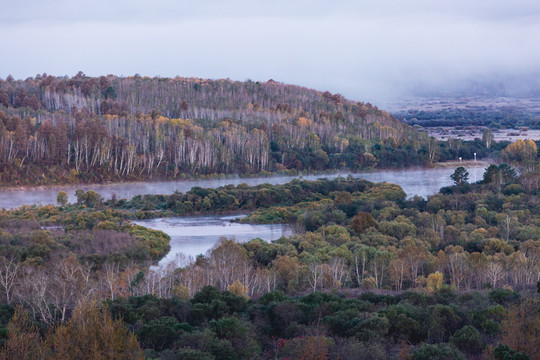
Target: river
{"x": 414, "y": 181}
{"x": 194, "y": 235}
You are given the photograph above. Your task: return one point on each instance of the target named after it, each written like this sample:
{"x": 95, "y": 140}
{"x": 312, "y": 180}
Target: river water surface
{"x": 414, "y": 181}
{"x": 196, "y": 235}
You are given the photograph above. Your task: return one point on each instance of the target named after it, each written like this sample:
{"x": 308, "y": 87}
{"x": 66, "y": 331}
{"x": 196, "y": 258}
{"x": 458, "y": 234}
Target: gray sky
{"x": 366, "y": 50}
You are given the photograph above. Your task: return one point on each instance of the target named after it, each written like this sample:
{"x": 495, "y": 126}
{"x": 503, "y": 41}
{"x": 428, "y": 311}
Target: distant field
{"x": 497, "y": 112}
{"x": 531, "y": 105}
{"x": 445, "y": 133}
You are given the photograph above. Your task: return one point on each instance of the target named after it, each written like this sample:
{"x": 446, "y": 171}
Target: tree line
{"x": 227, "y": 325}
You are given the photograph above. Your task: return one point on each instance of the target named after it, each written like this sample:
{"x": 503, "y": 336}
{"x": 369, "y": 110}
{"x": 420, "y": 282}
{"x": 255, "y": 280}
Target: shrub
{"x": 437, "y": 352}
{"x": 467, "y": 339}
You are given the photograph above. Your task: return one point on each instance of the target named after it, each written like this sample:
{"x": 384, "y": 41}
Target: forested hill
{"x": 192, "y": 98}
{"x": 60, "y": 129}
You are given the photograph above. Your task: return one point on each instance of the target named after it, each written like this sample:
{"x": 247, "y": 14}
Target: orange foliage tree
{"x": 90, "y": 334}
{"x": 521, "y": 328}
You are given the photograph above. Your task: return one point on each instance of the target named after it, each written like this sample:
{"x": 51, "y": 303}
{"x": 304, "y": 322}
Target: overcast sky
{"x": 365, "y": 50}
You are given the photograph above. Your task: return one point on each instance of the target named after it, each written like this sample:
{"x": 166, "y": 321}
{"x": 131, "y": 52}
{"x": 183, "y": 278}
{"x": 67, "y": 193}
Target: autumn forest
{"x": 369, "y": 271}
{"x": 57, "y": 130}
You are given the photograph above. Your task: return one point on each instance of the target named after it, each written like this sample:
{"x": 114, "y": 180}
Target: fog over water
{"x": 194, "y": 235}
{"x": 414, "y": 181}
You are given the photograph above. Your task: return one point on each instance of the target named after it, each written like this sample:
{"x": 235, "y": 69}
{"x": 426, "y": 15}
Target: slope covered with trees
{"x": 81, "y": 129}
{"x": 369, "y": 275}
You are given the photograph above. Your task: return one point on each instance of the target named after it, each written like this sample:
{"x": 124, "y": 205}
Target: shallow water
{"x": 194, "y": 235}
{"x": 414, "y": 181}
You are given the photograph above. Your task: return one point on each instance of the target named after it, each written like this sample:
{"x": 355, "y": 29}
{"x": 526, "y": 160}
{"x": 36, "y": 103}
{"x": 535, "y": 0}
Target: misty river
{"x": 414, "y": 181}
{"x": 195, "y": 235}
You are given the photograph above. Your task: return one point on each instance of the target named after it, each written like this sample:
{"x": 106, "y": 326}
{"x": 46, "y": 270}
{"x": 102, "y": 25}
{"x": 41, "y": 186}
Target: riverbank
{"x": 261, "y": 175}
{"x": 183, "y": 177}
{"x": 414, "y": 181}
{"x": 464, "y": 163}
{"x": 194, "y": 235}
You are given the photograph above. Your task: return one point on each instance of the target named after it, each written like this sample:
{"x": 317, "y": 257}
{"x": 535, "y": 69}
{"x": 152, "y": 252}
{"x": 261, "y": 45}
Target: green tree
{"x": 159, "y": 334}
{"x": 89, "y": 198}
{"x": 460, "y": 176}
{"x": 503, "y": 352}
{"x": 239, "y": 333}
{"x": 62, "y": 198}
{"x": 508, "y": 173}
{"x": 499, "y": 175}
{"x": 320, "y": 159}
{"x": 193, "y": 354}
{"x": 336, "y": 235}
{"x": 443, "y": 322}
{"x": 437, "y": 352}
{"x": 467, "y": 339}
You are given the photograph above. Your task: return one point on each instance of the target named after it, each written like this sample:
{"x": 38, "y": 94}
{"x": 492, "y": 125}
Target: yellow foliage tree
{"x": 522, "y": 152}
{"x": 181, "y": 292}
{"x": 238, "y": 289}
{"x": 434, "y": 281}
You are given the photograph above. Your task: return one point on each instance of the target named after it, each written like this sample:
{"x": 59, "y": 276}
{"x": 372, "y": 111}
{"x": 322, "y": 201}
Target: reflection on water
{"x": 421, "y": 182}
{"x": 195, "y": 235}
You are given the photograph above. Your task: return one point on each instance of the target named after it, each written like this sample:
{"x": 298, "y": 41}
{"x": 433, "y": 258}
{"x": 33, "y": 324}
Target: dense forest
{"x": 81, "y": 129}
{"x": 369, "y": 274}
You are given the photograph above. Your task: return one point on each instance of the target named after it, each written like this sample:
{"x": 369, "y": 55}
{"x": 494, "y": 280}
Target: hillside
{"x": 84, "y": 129}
